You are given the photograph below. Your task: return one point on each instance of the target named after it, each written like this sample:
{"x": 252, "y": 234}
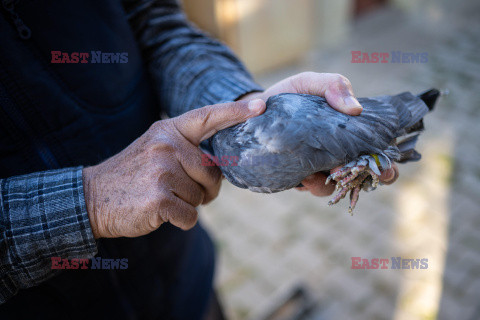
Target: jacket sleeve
{"x": 189, "y": 69}
{"x": 42, "y": 215}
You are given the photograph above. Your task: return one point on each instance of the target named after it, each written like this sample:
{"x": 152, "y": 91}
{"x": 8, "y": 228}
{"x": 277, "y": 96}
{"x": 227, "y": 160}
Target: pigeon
{"x": 299, "y": 135}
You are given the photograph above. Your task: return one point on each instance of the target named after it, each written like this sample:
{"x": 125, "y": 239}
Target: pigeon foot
{"x": 353, "y": 177}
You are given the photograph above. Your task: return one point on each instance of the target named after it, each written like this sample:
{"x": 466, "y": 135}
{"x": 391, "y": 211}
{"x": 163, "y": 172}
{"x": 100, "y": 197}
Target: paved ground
{"x": 267, "y": 243}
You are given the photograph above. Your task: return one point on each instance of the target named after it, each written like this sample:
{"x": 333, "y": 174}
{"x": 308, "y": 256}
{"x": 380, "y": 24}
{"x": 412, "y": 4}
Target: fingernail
{"x": 389, "y": 175}
{"x": 256, "y": 106}
{"x": 353, "y": 103}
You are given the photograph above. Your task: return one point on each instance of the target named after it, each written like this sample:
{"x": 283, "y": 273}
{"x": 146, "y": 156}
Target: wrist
{"x": 88, "y": 186}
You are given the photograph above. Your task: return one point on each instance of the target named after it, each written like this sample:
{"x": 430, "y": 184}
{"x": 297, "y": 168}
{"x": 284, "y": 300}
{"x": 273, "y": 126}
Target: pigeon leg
{"x": 356, "y": 182}
{"x": 354, "y": 173}
{"x": 354, "y": 177}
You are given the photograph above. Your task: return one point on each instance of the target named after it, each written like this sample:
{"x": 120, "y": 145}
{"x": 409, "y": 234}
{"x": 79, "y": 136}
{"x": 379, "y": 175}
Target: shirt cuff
{"x": 229, "y": 87}
{"x": 43, "y": 215}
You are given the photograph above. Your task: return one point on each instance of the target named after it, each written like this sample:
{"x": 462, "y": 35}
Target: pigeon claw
{"x": 354, "y": 195}
{"x": 342, "y": 173}
{"x": 353, "y": 178}
{"x": 340, "y": 195}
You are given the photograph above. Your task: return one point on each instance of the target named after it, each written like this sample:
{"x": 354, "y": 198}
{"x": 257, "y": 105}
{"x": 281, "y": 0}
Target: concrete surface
{"x": 267, "y": 243}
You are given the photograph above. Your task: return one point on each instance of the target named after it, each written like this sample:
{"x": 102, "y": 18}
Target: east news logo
{"x": 95, "y": 263}
{"x": 389, "y": 57}
{"x": 393, "y": 263}
{"x": 89, "y": 57}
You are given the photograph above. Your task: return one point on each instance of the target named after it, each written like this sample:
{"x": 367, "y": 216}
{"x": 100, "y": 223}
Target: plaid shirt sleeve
{"x": 42, "y": 215}
{"x": 188, "y": 68}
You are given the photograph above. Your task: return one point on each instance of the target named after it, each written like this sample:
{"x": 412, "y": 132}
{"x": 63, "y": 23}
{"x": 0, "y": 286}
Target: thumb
{"x": 200, "y": 124}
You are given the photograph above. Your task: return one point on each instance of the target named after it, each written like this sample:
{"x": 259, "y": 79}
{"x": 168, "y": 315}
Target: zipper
{"x": 23, "y": 31}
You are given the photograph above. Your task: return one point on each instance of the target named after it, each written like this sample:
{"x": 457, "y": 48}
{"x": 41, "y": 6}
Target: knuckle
{"x": 190, "y": 218}
{"x": 204, "y": 114}
{"x": 157, "y": 125}
{"x": 214, "y": 175}
{"x": 168, "y": 146}
{"x": 159, "y": 128}
{"x": 339, "y": 83}
{"x": 165, "y": 207}
{"x": 212, "y": 194}
{"x": 165, "y": 181}
{"x": 162, "y": 144}
{"x": 165, "y": 202}
{"x": 152, "y": 149}
{"x": 152, "y": 153}
{"x": 158, "y": 142}
{"x": 346, "y": 83}
{"x": 336, "y": 76}
{"x": 156, "y": 220}
{"x": 184, "y": 219}
{"x": 200, "y": 199}
{"x": 341, "y": 79}
{"x": 196, "y": 195}
{"x": 209, "y": 198}
{"x": 211, "y": 181}
{"x": 163, "y": 129}
{"x": 163, "y": 215}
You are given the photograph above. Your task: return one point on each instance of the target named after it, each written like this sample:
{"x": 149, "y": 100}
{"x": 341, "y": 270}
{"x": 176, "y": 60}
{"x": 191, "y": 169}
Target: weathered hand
{"x": 338, "y": 92}
{"x": 159, "y": 177}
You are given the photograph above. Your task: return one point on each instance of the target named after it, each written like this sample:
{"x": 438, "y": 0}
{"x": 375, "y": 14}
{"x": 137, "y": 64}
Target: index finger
{"x": 335, "y": 88}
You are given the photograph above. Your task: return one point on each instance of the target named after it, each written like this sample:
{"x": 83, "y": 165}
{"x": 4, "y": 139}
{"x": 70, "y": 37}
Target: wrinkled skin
{"x": 159, "y": 177}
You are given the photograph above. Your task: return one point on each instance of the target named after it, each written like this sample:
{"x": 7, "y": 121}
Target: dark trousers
{"x": 169, "y": 276}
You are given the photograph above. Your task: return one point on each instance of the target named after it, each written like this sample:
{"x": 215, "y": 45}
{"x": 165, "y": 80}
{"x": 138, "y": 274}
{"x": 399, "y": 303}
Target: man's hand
{"x": 159, "y": 177}
{"x": 338, "y": 92}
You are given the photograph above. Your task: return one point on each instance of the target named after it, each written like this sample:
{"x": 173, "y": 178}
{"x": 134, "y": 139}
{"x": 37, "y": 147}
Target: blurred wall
{"x": 268, "y": 34}
{"x": 332, "y": 21}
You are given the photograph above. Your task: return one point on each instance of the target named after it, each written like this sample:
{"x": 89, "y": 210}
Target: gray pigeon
{"x": 300, "y": 134}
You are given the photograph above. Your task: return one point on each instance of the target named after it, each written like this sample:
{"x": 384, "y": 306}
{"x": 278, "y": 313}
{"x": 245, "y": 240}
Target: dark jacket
{"x": 143, "y": 58}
